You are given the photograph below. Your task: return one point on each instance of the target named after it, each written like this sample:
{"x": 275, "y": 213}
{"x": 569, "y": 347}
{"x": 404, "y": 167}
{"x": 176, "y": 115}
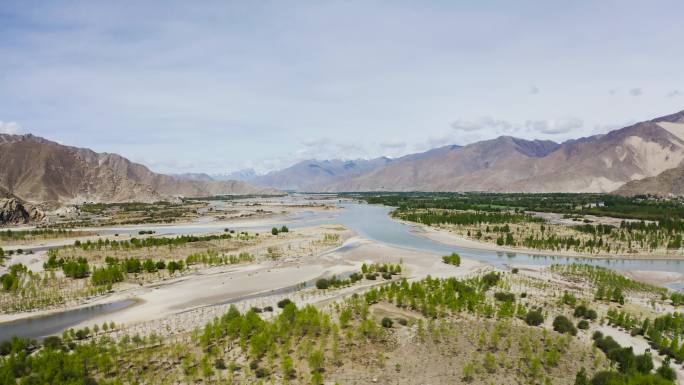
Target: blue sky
{"x": 231, "y": 85}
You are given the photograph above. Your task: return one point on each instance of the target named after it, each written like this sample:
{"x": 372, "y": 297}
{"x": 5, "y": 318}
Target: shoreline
{"x": 448, "y": 238}
{"x": 251, "y": 282}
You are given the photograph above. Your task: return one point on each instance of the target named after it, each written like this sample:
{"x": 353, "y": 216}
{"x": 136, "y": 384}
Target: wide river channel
{"x": 369, "y": 221}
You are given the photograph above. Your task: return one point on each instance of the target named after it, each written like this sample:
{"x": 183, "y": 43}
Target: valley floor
{"x": 483, "y": 346}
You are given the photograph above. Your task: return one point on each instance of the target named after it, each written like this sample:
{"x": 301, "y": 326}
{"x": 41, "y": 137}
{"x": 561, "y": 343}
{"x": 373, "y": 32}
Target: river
{"x": 369, "y": 221}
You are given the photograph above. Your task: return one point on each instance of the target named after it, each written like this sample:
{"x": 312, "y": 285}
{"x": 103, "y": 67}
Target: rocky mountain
{"x": 668, "y": 182}
{"x": 480, "y": 166}
{"x": 315, "y": 175}
{"x": 39, "y": 170}
{"x": 600, "y": 163}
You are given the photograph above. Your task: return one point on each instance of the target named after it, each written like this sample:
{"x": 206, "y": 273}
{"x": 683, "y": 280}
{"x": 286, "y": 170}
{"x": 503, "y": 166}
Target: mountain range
{"x": 646, "y": 157}
{"x": 35, "y": 169}
{"x": 642, "y": 158}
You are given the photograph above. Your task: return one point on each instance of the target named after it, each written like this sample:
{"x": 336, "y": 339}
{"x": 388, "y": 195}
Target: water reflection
{"x": 43, "y": 326}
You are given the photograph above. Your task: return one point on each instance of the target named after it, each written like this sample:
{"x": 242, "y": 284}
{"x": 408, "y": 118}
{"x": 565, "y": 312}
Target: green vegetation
{"x": 534, "y": 318}
{"x": 136, "y": 243}
{"x": 654, "y": 225}
{"x": 19, "y": 235}
{"x": 25, "y": 290}
{"x": 432, "y": 217}
{"x": 306, "y": 345}
{"x": 334, "y": 282}
{"x": 610, "y": 284}
{"x": 10, "y": 280}
{"x": 107, "y": 275}
{"x": 72, "y": 267}
{"x": 214, "y": 258}
{"x": 562, "y": 324}
{"x": 453, "y": 259}
{"x": 76, "y": 268}
{"x": 582, "y": 311}
{"x": 276, "y": 231}
{"x": 631, "y": 369}
{"x": 638, "y": 207}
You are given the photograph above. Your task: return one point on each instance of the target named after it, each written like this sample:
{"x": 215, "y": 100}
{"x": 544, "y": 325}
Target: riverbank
{"x": 447, "y": 237}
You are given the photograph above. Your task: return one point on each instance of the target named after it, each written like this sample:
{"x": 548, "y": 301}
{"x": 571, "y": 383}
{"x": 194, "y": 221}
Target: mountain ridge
{"x": 597, "y": 163}
{"x": 36, "y": 169}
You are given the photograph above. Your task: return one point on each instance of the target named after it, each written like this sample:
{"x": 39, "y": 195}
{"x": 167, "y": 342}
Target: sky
{"x": 215, "y": 87}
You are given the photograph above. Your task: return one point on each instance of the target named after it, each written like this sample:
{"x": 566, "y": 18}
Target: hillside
{"x": 600, "y": 163}
{"x": 38, "y": 170}
{"x": 313, "y": 175}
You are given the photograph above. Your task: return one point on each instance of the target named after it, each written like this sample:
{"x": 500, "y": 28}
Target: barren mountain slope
{"x": 478, "y": 166}
{"x": 669, "y": 181}
{"x": 312, "y": 175}
{"x": 36, "y": 169}
{"x": 603, "y": 163}
{"x": 600, "y": 163}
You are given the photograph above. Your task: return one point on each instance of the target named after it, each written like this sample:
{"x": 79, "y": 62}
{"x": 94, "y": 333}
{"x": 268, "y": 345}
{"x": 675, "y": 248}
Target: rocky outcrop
{"x": 15, "y": 212}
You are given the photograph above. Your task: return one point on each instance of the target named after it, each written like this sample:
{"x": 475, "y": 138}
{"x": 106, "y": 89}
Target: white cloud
{"x": 534, "y": 90}
{"x": 12, "y": 128}
{"x": 483, "y": 123}
{"x": 636, "y": 92}
{"x": 555, "y": 126}
{"x": 673, "y": 93}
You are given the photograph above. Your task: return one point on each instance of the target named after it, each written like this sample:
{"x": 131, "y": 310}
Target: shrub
{"x": 52, "y": 342}
{"x": 585, "y": 312}
{"x": 569, "y": 299}
{"x": 387, "y": 322}
{"x": 562, "y": 324}
{"x": 107, "y": 275}
{"x": 76, "y": 268}
{"x": 583, "y": 324}
{"x": 667, "y": 372}
{"x": 402, "y": 321}
{"x": 261, "y": 372}
{"x": 220, "y": 364}
{"x": 504, "y": 297}
{"x": 644, "y": 363}
{"x": 491, "y": 279}
{"x": 453, "y": 259}
{"x": 581, "y": 378}
{"x": 534, "y": 318}
{"x": 580, "y": 311}
{"x": 590, "y": 314}
{"x": 322, "y": 284}
{"x": 284, "y": 302}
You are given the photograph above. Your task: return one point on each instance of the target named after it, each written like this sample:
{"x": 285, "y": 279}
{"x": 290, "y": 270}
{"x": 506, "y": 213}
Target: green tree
{"x": 316, "y": 361}
{"x": 644, "y": 363}
{"x": 581, "y": 378}
{"x": 563, "y": 325}
{"x": 534, "y": 318}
